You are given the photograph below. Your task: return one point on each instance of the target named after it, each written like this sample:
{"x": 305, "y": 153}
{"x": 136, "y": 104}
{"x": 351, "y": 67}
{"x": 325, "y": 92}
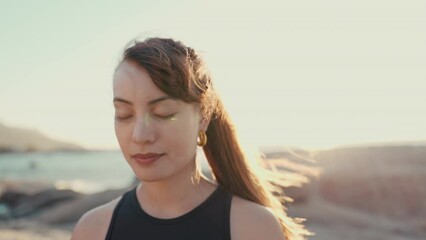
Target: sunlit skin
{"x": 166, "y": 126}
{"x": 149, "y": 121}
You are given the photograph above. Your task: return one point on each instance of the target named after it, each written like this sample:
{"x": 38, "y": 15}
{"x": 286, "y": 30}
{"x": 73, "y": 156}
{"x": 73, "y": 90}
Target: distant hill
{"x": 24, "y": 140}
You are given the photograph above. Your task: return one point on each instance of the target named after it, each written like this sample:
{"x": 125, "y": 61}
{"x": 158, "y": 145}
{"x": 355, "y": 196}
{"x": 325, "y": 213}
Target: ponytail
{"x": 233, "y": 172}
{"x": 179, "y": 72}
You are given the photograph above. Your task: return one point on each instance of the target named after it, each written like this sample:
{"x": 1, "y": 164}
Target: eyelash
{"x": 166, "y": 117}
{"x": 121, "y": 118}
{"x": 157, "y": 116}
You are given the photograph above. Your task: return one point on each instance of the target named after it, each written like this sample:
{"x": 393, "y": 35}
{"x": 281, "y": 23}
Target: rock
{"x": 399, "y": 195}
{"x": 11, "y": 198}
{"x": 31, "y": 204}
{"x": 13, "y": 191}
{"x": 4, "y": 212}
{"x": 71, "y": 211}
{"x": 298, "y": 194}
{"x": 386, "y": 181}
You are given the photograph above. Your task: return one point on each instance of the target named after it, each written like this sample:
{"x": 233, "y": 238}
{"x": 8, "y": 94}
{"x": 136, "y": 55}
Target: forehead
{"x": 133, "y": 83}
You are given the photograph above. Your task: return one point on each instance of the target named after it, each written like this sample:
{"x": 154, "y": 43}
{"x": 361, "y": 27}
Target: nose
{"x": 143, "y": 131}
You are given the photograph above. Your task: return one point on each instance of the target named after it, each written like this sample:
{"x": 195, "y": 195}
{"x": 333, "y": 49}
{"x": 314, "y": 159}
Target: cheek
{"x": 122, "y": 133}
{"x": 181, "y": 136}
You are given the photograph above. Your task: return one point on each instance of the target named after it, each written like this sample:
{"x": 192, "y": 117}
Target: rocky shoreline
{"x": 30, "y": 210}
{"x": 370, "y": 193}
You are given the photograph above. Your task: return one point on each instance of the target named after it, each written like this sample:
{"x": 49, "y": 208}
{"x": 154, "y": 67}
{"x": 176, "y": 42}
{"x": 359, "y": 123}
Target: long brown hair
{"x": 180, "y": 72}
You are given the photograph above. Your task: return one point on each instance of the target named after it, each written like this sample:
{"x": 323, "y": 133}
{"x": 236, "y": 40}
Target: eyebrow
{"x": 152, "y": 102}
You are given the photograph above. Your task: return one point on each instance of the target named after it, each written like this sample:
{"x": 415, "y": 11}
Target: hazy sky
{"x": 301, "y": 73}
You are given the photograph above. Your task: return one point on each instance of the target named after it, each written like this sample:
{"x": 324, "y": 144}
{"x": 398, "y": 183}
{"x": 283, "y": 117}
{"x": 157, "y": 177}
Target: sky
{"x": 312, "y": 74}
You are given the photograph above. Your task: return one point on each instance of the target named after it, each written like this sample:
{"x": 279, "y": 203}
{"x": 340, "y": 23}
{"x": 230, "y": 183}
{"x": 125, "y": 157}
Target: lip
{"x": 145, "y": 159}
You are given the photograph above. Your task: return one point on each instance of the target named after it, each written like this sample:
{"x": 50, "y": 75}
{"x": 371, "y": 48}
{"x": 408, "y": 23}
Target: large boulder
{"x": 71, "y": 211}
{"x": 387, "y": 181}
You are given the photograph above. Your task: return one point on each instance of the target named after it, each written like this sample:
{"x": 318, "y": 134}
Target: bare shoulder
{"x": 250, "y": 220}
{"x": 94, "y": 224}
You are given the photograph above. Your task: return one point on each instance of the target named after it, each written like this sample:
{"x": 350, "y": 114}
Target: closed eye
{"x": 170, "y": 116}
{"x": 122, "y": 118}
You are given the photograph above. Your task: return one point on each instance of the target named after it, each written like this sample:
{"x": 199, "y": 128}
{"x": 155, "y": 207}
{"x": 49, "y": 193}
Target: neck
{"x": 173, "y": 197}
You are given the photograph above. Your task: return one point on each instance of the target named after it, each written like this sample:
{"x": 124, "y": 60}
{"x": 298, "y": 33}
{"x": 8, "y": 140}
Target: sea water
{"x": 86, "y": 172}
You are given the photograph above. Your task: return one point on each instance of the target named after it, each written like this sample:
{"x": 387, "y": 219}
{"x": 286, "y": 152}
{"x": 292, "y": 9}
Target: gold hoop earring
{"x": 202, "y": 139}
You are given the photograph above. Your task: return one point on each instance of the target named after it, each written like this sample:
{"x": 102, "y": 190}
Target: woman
{"x": 165, "y": 106}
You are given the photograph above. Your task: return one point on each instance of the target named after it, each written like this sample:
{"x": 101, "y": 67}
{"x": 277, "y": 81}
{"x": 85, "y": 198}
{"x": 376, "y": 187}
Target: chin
{"x": 150, "y": 177}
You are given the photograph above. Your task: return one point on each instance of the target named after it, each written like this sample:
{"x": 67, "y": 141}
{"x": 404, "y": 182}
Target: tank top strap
{"x": 120, "y": 203}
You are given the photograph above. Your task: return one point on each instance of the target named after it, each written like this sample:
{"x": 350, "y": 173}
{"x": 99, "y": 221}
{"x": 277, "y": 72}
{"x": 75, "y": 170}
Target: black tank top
{"x": 208, "y": 221}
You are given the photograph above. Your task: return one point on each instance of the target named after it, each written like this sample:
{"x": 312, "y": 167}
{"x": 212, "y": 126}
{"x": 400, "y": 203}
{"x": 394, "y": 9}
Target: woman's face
{"x": 149, "y": 121}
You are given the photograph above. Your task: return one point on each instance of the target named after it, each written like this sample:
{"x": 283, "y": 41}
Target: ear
{"x": 204, "y": 123}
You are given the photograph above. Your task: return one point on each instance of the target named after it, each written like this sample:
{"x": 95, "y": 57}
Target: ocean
{"x": 85, "y": 172}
